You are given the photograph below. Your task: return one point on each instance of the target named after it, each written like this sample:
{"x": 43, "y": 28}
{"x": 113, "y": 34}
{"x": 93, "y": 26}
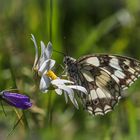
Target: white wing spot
{"x": 89, "y": 108}
{"x": 93, "y": 95}
{"x": 100, "y": 93}
{"x": 88, "y": 76}
{"x": 124, "y": 88}
{"x": 115, "y": 63}
{"x": 115, "y": 78}
{"x": 134, "y": 79}
{"x": 131, "y": 70}
{"x": 136, "y": 73}
{"x": 94, "y": 61}
{"x": 127, "y": 62}
{"x": 106, "y": 111}
{"x": 90, "y": 112}
{"x": 137, "y": 68}
{"x": 119, "y": 74}
{"x": 107, "y": 107}
{"x": 119, "y": 97}
{"x": 129, "y": 81}
{"x": 99, "y": 113}
{"x": 107, "y": 93}
{"x": 98, "y": 109}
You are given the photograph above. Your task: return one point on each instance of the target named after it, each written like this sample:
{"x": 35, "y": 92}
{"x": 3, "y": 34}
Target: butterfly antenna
{"x": 3, "y": 109}
{"x": 67, "y": 51}
{"x": 16, "y": 124}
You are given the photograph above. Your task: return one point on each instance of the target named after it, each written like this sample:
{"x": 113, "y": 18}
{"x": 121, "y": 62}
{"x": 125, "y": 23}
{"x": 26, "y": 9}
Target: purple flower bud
{"x": 18, "y": 100}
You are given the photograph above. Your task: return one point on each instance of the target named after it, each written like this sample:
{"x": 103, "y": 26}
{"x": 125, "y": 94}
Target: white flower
{"x": 41, "y": 63}
{"x": 68, "y": 88}
{"x": 60, "y": 85}
{"x": 44, "y": 66}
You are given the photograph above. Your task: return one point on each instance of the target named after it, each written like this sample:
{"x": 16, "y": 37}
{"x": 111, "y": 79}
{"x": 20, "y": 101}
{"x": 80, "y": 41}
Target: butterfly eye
{"x": 66, "y": 60}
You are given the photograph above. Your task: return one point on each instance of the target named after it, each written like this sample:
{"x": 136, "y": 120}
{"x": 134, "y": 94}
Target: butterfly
{"x": 104, "y": 77}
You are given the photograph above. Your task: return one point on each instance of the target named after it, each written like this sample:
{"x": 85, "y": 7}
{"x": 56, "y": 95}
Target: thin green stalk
{"x": 49, "y": 113}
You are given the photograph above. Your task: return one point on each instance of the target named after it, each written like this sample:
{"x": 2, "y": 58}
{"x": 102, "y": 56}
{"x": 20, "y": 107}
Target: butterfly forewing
{"x": 104, "y": 77}
{"x": 123, "y": 70}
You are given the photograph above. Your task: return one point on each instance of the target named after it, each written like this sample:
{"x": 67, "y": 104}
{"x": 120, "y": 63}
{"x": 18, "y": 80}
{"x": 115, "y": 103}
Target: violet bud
{"x": 17, "y": 100}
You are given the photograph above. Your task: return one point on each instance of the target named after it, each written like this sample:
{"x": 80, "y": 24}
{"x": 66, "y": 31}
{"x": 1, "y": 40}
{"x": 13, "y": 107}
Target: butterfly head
{"x": 71, "y": 67}
{"x": 68, "y": 60}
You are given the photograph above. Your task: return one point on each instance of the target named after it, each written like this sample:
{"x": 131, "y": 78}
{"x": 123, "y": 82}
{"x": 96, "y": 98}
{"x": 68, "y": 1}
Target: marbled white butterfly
{"x": 104, "y": 77}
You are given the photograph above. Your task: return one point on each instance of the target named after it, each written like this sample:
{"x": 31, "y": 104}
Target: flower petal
{"x": 65, "y": 88}
{"x": 58, "y": 91}
{"x": 75, "y": 103}
{"x": 48, "y": 50}
{"x": 66, "y": 97}
{"x": 44, "y": 83}
{"x": 70, "y": 93}
{"x": 42, "y": 56}
{"x": 44, "y": 67}
{"x": 51, "y": 63}
{"x": 76, "y": 87}
{"x": 73, "y": 100}
{"x": 42, "y": 48}
{"x": 61, "y": 82}
{"x": 47, "y": 65}
{"x": 36, "y": 51}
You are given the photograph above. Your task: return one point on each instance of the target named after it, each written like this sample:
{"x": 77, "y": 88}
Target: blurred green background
{"x": 83, "y": 27}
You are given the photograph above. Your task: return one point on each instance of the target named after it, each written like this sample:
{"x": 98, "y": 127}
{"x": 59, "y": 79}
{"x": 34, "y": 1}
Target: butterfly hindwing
{"x": 103, "y": 91}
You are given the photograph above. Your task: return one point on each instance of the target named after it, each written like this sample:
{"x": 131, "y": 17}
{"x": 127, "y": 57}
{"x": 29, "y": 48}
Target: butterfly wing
{"x": 103, "y": 91}
{"x": 124, "y": 70}
{"x": 104, "y": 77}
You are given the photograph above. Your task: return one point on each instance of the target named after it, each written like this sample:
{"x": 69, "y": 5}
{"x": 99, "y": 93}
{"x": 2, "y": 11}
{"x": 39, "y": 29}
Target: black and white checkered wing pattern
{"x": 104, "y": 77}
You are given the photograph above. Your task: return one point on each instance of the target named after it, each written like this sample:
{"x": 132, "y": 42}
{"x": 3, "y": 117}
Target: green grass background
{"x": 79, "y": 27}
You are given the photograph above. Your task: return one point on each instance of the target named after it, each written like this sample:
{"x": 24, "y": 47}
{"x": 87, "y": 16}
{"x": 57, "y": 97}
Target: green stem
{"x": 50, "y": 28}
{"x": 49, "y": 113}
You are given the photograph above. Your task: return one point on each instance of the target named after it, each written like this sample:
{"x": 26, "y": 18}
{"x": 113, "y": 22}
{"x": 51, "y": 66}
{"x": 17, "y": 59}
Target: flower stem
{"x": 49, "y": 113}
{"x": 51, "y": 9}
